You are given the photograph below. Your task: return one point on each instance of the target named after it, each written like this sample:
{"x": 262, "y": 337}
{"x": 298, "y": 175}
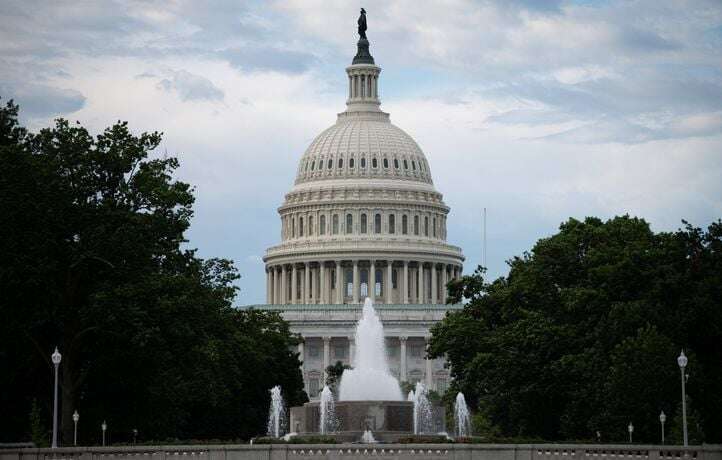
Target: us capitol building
{"x": 363, "y": 219}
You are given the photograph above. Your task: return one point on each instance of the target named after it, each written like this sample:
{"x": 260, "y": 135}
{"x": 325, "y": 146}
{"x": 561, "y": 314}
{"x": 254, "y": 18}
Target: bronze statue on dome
{"x": 362, "y": 24}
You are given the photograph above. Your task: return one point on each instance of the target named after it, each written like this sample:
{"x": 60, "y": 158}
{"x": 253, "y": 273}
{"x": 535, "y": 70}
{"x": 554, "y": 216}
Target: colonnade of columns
{"x": 340, "y": 282}
{"x": 401, "y": 363}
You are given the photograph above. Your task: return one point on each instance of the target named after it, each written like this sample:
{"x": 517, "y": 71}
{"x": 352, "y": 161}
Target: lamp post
{"x": 662, "y": 419}
{"x": 104, "y": 426}
{"x": 630, "y": 428}
{"x": 76, "y": 417}
{"x": 682, "y": 361}
{"x": 56, "y": 356}
{"x": 135, "y": 435}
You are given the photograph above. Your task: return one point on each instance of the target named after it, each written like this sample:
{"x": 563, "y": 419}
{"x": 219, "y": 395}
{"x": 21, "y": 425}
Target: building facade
{"x": 363, "y": 219}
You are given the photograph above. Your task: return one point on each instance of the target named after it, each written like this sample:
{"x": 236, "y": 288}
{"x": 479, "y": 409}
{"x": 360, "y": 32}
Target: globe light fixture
{"x": 682, "y": 362}
{"x": 630, "y": 428}
{"x": 55, "y": 357}
{"x": 104, "y": 426}
{"x": 662, "y": 419}
{"x": 76, "y": 417}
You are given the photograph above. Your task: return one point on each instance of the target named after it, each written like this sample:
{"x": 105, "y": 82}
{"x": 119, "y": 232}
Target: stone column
{"x": 402, "y": 357}
{"x": 444, "y": 280}
{"x": 429, "y": 378}
{"x": 372, "y": 281}
{"x": 294, "y": 284}
{"x": 351, "y": 349}
{"x": 420, "y": 286}
{"x": 434, "y": 287}
{"x": 276, "y": 286}
{"x": 322, "y": 283}
{"x": 283, "y": 284}
{"x": 340, "y": 283}
{"x": 406, "y": 282}
{"x": 355, "y": 281}
{"x": 390, "y": 282}
{"x": 326, "y": 357}
{"x": 306, "y": 283}
{"x": 270, "y": 285}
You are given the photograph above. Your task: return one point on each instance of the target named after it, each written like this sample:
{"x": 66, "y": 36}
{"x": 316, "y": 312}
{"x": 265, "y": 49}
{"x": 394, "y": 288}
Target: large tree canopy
{"x": 93, "y": 262}
{"x": 583, "y": 334}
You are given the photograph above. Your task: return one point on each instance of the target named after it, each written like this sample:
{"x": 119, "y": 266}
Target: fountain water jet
{"x": 276, "y": 413}
{"x": 327, "y": 411}
{"x": 461, "y": 416}
{"x": 370, "y": 380}
{"x": 423, "y": 415}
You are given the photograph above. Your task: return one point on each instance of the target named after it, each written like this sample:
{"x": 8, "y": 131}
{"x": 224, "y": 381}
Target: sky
{"x": 537, "y": 111}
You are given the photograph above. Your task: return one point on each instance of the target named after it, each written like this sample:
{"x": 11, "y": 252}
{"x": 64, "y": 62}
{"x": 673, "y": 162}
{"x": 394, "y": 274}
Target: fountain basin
{"x": 387, "y": 420}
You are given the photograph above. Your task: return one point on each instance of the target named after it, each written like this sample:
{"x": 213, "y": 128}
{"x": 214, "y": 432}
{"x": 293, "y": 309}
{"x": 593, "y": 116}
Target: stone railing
{"x": 390, "y": 451}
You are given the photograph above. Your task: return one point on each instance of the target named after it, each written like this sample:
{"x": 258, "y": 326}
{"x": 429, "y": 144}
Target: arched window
{"x": 416, "y": 225}
{"x": 310, "y": 225}
{"x": 363, "y": 223}
{"x": 313, "y": 165}
{"x": 363, "y": 162}
{"x": 406, "y": 164}
{"x": 433, "y": 227}
{"x": 349, "y": 224}
{"x": 374, "y": 163}
{"x": 386, "y": 162}
{"x": 413, "y": 165}
{"x": 396, "y": 163}
{"x": 392, "y": 223}
{"x": 405, "y": 224}
{"x": 330, "y": 163}
{"x": 350, "y": 163}
{"x": 340, "y": 163}
{"x": 426, "y": 226}
{"x": 293, "y": 227}
{"x": 335, "y": 224}
{"x": 307, "y": 166}
{"x": 322, "y": 225}
{"x": 300, "y": 226}
{"x": 377, "y": 223}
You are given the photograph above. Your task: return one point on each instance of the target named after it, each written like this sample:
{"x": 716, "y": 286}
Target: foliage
{"x": 334, "y": 373}
{"x": 427, "y": 439}
{"x": 583, "y": 333}
{"x": 94, "y": 261}
{"x": 312, "y": 440}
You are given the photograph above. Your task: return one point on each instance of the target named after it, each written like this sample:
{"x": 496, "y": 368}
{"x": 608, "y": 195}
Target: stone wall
{"x": 363, "y": 451}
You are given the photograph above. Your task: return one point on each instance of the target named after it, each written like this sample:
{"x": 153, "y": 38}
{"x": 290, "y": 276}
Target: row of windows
{"x": 313, "y": 165}
{"x": 408, "y": 226}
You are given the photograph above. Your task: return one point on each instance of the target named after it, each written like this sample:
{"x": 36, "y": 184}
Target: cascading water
{"x": 461, "y": 416}
{"x": 276, "y": 413}
{"x": 327, "y": 411}
{"x": 370, "y": 380}
{"x": 423, "y": 416}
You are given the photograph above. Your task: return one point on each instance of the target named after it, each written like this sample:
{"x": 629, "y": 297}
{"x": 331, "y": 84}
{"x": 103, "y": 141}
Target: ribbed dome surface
{"x": 363, "y": 146}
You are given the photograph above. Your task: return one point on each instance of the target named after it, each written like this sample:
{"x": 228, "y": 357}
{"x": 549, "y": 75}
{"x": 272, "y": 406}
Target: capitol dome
{"x": 363, "y": 218}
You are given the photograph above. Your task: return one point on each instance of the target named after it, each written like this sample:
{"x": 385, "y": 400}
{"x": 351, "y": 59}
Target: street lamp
{"x": 682, "y": 361}
{"x": 630, "y": 428}
{"x": 135, "y": 435}
{"x": 76, "y": 417}
{"x": 104, "y": 426}
{"x": 56, "y": 356}
{"x": 662, "y": 419}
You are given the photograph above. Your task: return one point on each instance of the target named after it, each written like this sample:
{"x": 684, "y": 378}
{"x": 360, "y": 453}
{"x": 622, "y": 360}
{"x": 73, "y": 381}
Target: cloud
{"x": 190, "y": 87}
{"x": 39, "y": 101}
{"x": 267, "y": 58}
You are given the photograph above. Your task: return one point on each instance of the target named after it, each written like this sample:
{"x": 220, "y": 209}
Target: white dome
{"x": 363, "y": 145}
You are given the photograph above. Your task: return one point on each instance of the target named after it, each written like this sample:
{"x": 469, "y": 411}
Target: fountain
{"x": 423, "y": 414}
{"x": 461, "y": 416}
{"x": 327, "y": 412}
{"x": 370, "y": 405}
{"x": 370, "y": 380}
{"x": 276, "y": 413}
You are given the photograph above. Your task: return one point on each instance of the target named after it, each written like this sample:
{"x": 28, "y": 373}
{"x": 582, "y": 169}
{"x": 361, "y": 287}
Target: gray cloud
{"x": 190, "y": 87}
{"x": 39, "y": 101}
{"x": 267, "y": 58}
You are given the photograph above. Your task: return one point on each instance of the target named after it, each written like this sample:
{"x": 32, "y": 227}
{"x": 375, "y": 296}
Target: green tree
{"x": 94, "y": 261}
{"x": 582, "y": 334}
{"x": 334, "y": 372}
